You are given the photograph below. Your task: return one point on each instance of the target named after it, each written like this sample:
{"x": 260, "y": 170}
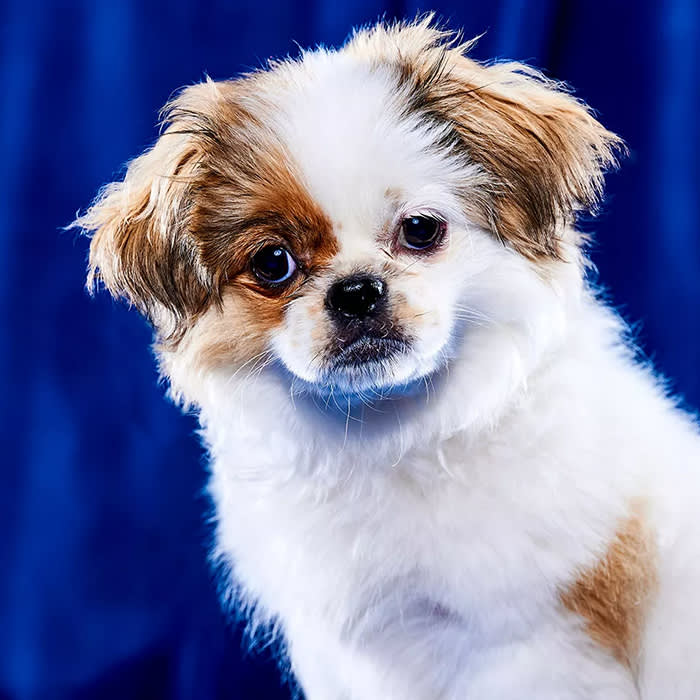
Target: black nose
{"x": 356, "y": 296}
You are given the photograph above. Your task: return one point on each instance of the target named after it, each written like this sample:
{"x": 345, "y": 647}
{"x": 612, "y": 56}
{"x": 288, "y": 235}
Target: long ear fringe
{"x": 140, "y": 249}
{"x": 541, "y": 149}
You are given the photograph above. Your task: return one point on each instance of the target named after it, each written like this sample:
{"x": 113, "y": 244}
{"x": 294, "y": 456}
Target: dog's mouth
{"x": 369, "y": 367}
{"x": 363, "y": 361}
{"x": 366, "y": 350}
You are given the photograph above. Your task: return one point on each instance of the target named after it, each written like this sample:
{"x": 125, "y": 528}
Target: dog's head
{"x": 349, "y": 213}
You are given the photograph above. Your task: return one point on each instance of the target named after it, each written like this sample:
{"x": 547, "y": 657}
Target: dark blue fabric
{"x": 104, "y": 589}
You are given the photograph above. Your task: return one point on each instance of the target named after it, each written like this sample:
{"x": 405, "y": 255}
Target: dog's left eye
{"x": 420, "y": 232}
{"x": 273, "y": 264}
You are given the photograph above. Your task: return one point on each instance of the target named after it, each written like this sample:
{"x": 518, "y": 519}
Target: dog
{"x": 439, "y": 468}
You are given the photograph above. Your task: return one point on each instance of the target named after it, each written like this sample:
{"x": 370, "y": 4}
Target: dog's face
{"x": 344, "y": 215}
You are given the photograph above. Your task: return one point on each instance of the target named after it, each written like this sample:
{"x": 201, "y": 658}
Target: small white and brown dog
{"x": 438, "y": 468}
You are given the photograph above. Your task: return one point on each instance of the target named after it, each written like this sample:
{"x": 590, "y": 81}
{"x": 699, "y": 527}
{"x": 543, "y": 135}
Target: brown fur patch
{"x": 234, "y": 216}
{"x": 541, "y": 150}
{"x": 612, "y": 596}
{"x": 182, "y": 225}
{"x": 235, "y": 332}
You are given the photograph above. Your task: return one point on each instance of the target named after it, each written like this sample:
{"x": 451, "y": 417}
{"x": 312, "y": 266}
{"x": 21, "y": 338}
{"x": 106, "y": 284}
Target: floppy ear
{"x": 142, "y": 249}
{"x": 541, "y": 150}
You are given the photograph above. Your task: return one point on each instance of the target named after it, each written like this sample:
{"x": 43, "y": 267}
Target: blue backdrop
{"x": 104, "y": 589}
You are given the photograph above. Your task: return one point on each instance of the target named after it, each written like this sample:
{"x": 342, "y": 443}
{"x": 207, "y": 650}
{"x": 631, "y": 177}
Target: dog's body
{"x": 476, "y": 491}
{"x": 551, "y": 554}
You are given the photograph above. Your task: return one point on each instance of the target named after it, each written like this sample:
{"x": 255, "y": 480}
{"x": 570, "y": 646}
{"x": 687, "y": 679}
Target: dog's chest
{"x": 392, "y": 545}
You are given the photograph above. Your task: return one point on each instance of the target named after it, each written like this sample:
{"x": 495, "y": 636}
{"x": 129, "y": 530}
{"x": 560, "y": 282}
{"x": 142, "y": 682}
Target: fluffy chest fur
{"x": 504, "y": 549}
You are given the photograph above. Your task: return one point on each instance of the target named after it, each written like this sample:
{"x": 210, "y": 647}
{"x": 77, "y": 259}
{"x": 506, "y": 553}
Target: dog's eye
{"x": 273, "y": 264}
{"x": 420, "y": 232}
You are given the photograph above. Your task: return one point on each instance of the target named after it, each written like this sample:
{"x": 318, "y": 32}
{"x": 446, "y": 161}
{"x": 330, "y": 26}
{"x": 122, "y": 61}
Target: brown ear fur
{"x": 543, "y": 152}
{"x": 141, "y": 248}
{"x": 191, "y": 210}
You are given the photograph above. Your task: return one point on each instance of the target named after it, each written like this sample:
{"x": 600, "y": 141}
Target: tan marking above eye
{"x": 392, "y": 193}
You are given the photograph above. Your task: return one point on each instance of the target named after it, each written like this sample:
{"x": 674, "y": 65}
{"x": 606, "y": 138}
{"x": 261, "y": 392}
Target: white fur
{"x": 417, "y": 547}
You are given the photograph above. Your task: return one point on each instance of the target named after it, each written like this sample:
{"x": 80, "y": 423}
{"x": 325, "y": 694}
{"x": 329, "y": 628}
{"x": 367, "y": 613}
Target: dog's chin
{"x": 370, "y": 369}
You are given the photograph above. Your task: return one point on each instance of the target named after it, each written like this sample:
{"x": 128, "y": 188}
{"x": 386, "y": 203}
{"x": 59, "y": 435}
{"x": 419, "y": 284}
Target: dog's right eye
{"x": 273, "y": 264}
{"x": 421, "y": 232}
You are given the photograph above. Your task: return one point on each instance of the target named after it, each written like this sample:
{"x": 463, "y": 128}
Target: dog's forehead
{"x": 344, "y": 124}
